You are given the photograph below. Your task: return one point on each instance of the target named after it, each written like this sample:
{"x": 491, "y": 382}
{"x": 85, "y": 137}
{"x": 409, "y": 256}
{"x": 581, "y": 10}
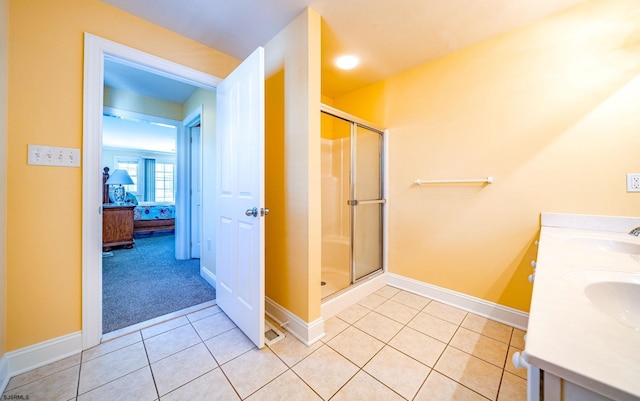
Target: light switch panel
{"x": 40, "y": 155}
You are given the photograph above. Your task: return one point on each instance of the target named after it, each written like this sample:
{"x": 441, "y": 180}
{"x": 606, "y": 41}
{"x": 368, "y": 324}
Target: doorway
{"x": 96, "y": 50}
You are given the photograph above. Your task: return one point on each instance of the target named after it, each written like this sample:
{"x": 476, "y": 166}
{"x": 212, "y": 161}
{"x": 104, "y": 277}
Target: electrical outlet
{"x": 41, "y": 155}
{"x": 633, "y": 182}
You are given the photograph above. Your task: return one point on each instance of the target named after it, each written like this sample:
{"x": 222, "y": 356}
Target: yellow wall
{"x": 549, "y": 110}
{"x": 332, "y": 128}
{"x": 293, "y": 229}
{"x": 135, "y": 102}
{"x": 4, "y": 42}
{"x": 45, "y": 107}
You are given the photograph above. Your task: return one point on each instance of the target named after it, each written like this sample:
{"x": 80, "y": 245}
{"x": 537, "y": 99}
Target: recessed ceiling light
{"x": 347, "y": 62}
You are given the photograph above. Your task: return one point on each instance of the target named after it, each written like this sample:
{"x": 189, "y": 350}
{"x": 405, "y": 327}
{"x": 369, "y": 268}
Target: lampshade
{"x": 119, "y": 177}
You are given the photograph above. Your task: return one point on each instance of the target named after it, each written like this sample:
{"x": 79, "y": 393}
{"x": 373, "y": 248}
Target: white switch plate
{"x": 633, "y": 182}
{"x": 40, "y": 155}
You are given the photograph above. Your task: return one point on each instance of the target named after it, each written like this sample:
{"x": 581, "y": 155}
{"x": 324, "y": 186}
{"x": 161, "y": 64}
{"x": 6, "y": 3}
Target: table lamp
{"x": 119, "y": 178}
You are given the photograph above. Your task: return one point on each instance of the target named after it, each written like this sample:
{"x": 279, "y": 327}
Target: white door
{"x": 240, "y": 192}
{"x": 196, "y": 193}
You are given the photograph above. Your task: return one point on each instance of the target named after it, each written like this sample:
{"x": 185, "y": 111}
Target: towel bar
{"x": 488, "y": 180}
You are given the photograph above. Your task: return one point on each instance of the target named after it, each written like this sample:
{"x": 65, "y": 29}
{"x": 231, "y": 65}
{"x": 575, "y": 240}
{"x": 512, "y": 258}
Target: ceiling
{"x": 125, "y": 77}
{"x": 134, "y": 134}
{"x": 389, "y": 36}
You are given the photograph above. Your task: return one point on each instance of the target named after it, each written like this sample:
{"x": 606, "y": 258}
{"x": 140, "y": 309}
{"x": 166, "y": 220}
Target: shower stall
{"x": 352, "y": 200}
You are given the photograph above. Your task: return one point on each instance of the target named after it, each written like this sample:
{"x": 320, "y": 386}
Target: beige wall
{"x": 293, "y": 229}
{"x": 44, "y": 204}
{"x": 549, "y": 110}
{"x": 4, "y": 43}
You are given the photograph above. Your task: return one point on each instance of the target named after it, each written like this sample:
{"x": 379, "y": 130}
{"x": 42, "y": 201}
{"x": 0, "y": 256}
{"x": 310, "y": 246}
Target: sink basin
{"x": 607, "y": 244}
{"x": 618, "y": 299}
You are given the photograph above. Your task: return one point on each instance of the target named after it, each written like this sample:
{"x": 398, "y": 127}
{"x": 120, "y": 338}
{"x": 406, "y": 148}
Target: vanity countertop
{"x": 569, "y": 335}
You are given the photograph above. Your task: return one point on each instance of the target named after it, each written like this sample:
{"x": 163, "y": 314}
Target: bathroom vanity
{"x": 583, "y": 336}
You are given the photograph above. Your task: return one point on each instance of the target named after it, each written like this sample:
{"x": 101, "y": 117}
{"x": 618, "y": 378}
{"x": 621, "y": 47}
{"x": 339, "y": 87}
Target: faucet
{"x": 635, "y": 231}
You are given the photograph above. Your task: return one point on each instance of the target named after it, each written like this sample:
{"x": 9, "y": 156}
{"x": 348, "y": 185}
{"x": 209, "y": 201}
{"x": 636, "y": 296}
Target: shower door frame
{"x": 355, "y": 123}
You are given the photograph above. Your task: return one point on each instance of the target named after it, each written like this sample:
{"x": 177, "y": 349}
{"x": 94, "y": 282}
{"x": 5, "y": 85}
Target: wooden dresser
{"x": 117, "y": 226}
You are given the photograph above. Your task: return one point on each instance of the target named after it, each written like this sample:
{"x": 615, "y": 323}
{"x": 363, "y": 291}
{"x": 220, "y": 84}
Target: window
{"x": 164, "y": 182}
{"x": 131, "y": 166}
{"x": 153, "y": 178}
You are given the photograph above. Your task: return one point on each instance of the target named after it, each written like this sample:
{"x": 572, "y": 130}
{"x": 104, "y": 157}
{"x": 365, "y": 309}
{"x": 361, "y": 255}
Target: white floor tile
{"x": 332, "y": 327}
{"x": 353, "y": 313}
{"x": 164, "y": 327}
{"x": 212, "y": 386}
{"x": 413, "y": 300}
{"x": 419, "y": 346}
{"x": 364, "y": 387}
{"x": 252, "y": 370}
{"x": 397, "y": 371}
{"x": 42, "y": 372}
{"x": 213, "y": 325}
{"x": 201, "y": 314}
{"x": 438, "y": 387}
{"x": 170, "y": 342}
{"x": 136, "y": 386}
{"x": 106, "y": 368}
{"x": 433, "y": 326}
{"x": 182, "y": 367}
{"x": 378, "y": 326}
{"x": 387, "y": 291}
{"x": 356, "y": 345}
{"x": 59, "y": 386}
{"x": 397, "y": 311}
{"x": 229, "y": 345}
{"x": 325, "y": 371}
{"x": 287, "y": 386}
{"x": 291, "y": 350}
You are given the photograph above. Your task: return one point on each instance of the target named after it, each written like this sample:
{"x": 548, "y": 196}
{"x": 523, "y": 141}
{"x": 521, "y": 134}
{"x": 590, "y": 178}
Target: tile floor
{"x": 393, "y": 345}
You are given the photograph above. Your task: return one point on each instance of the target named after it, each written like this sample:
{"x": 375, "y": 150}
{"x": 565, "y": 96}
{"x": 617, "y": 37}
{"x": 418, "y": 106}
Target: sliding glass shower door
{"x": 366, "y": 201}
{"x": 352, "y": 200}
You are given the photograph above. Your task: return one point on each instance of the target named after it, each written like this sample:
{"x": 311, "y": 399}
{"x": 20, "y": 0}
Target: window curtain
{"x": 149, "y": 180}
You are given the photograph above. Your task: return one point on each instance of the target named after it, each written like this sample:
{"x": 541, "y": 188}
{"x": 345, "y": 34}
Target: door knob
{"x": 264, "y": 211}
{"x": 252, "y": 212}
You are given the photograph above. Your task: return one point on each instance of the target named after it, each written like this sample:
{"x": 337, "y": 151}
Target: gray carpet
{"x": 147, "y": 281}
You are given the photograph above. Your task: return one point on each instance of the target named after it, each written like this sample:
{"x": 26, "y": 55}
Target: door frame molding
{"x": 96, "y": 49}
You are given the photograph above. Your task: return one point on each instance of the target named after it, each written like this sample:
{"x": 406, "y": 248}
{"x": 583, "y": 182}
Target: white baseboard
{"x": 354, "y": 295}
{"x": 4, "y": 373}
{"x": 208, "y": 276}
{"x": 308, "y": 333}
{"x": 503, "y": 314}
{"x": 34, "y": 356}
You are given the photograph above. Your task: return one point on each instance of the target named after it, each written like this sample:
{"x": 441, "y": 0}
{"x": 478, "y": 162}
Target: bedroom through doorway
{"x": 151, "y": 266}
